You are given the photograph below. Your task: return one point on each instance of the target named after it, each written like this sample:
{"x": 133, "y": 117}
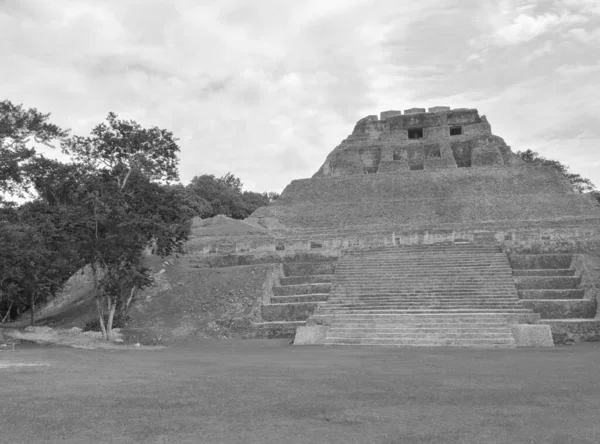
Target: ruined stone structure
{"x": 425, "y": 191}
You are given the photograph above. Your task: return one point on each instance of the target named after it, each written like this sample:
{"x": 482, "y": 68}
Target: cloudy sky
{"x": 267, "y": 88}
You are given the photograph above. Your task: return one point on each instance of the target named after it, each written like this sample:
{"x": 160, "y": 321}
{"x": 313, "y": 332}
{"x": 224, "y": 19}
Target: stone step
{"x": 411, "y": 262}
{"x": 292, "y": 290}
{"x": 562, "y": 308}
{"x": 546, "y": 282}
{"x": 314, "y": 297}
{"x": 499, "y": 333}
{"x": 551, "y": 294}
{"x": 544, "y": 272}
{"x": 425, "y": 253}
{"x": 412, "y": 283}
{"x": 538, "y": 261}
{"x": 422, "y": 308}
{"x": 343, "y": 298}
{"x": 423, "y": 328}
{"x": 424, "y": 317}
{"x": 485, "y": 271}
{"x": 423, "y": 311}
{"x": 308, "y": 268}
{"x": 296, "y": 280}
{"x": 433, "y": 303}
{"x": 339, "y": 293}
{"x": 374, "y": 326}
{"x": 508, "y": 342}
{"x": 399, "y": 289}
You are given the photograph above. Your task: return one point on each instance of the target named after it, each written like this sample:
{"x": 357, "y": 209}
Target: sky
{"x": 265, "y": 89}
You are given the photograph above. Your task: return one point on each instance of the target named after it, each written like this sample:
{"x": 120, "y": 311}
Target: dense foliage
{"x": 113, "y": 201}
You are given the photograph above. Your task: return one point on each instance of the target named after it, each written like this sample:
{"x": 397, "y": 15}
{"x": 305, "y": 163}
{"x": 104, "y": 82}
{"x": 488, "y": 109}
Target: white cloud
{"x": 545, "y": 48}
{"x": 584, "y": 36}
{"x": 266, "y": 89}
{"x": 578, "y": 69}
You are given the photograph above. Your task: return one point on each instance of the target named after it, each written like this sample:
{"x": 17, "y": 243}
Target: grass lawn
{"x": 263, "y": 391}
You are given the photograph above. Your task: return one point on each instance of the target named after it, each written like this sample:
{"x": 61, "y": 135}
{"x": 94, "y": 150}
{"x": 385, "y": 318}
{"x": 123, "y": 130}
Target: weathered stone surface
{"x": 396, "y": 136}
{"x": 311, "y": 335}
{"x": 562, "y": 309}
{"x": 288, "y": 312}
{"x": 437, "y": 109}
{"x": 574, "y": 330}
{"x": 527, "y": 335}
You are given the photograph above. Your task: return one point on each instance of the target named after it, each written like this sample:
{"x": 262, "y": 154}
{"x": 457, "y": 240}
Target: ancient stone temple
{"x": 424, "y": 228}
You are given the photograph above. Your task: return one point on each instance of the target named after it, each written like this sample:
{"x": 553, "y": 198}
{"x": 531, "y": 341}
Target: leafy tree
{"x": 225, "y": 196}
{"x": 127, "y": 210}
{"x": 580, "y": 184}
{"x": 36, "y": 256}
{"x": 19, "y": 128}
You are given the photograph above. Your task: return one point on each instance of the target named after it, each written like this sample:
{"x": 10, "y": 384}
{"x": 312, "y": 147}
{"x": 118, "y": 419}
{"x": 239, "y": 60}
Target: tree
{"x": 20, "y": 127}
{"x": 36, "y": 256}
{"x": 580, "y": 184}
{"x": 225, "y": 195}
{"x": 126, "y": 209}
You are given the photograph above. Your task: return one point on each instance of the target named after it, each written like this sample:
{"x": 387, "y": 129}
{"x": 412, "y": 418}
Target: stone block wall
{"x": 391, "y": 134}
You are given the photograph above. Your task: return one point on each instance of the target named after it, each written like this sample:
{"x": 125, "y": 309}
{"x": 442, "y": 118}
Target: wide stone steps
{"x": 423, "y": 295}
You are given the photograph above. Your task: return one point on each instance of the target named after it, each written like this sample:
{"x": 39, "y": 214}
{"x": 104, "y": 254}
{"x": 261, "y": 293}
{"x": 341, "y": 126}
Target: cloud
{"x": 579, "y": 69}
{"x": 584, "y": 36}
{"x": 266, "y": 89}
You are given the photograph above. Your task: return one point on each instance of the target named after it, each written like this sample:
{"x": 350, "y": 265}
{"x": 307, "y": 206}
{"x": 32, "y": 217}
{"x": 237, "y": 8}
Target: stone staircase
{"x": 548, "y": 285}
{"x": 425, "y": 295}
{"x": 300, "y": 290}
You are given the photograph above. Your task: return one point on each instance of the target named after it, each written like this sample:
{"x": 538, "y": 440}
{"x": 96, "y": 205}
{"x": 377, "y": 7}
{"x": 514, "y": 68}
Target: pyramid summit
{"x": 418, "y": 140}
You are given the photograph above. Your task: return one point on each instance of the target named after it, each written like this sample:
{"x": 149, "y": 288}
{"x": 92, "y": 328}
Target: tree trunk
{"x": 98, "y": 302}
{"x": 111, "y": 314}
{"x": 7, "y": 312}
{"x": 125, "y": 308}
{"x": 32, "y": 308}
{"x": 101, "y": 318}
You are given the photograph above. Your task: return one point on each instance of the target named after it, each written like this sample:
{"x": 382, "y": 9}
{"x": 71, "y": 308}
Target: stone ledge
{"x": 527, "y": 335}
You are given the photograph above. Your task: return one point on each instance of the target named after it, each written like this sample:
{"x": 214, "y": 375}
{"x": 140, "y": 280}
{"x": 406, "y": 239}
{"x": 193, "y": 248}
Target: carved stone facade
{"x": 418, "y": 140}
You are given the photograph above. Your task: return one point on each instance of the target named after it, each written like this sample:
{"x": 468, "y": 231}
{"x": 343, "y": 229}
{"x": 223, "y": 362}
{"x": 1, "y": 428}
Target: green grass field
{"x": 264, "y": 391}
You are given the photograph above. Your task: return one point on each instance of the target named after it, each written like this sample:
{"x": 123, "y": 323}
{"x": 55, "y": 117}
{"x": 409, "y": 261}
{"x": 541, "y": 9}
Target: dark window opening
{"x": 455, "y": 130}
{"x": 415, "y": 133}
{"x": 418, "y": 166}
{"x": 315, "y": 245}
{"x": 280, "y": 247}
